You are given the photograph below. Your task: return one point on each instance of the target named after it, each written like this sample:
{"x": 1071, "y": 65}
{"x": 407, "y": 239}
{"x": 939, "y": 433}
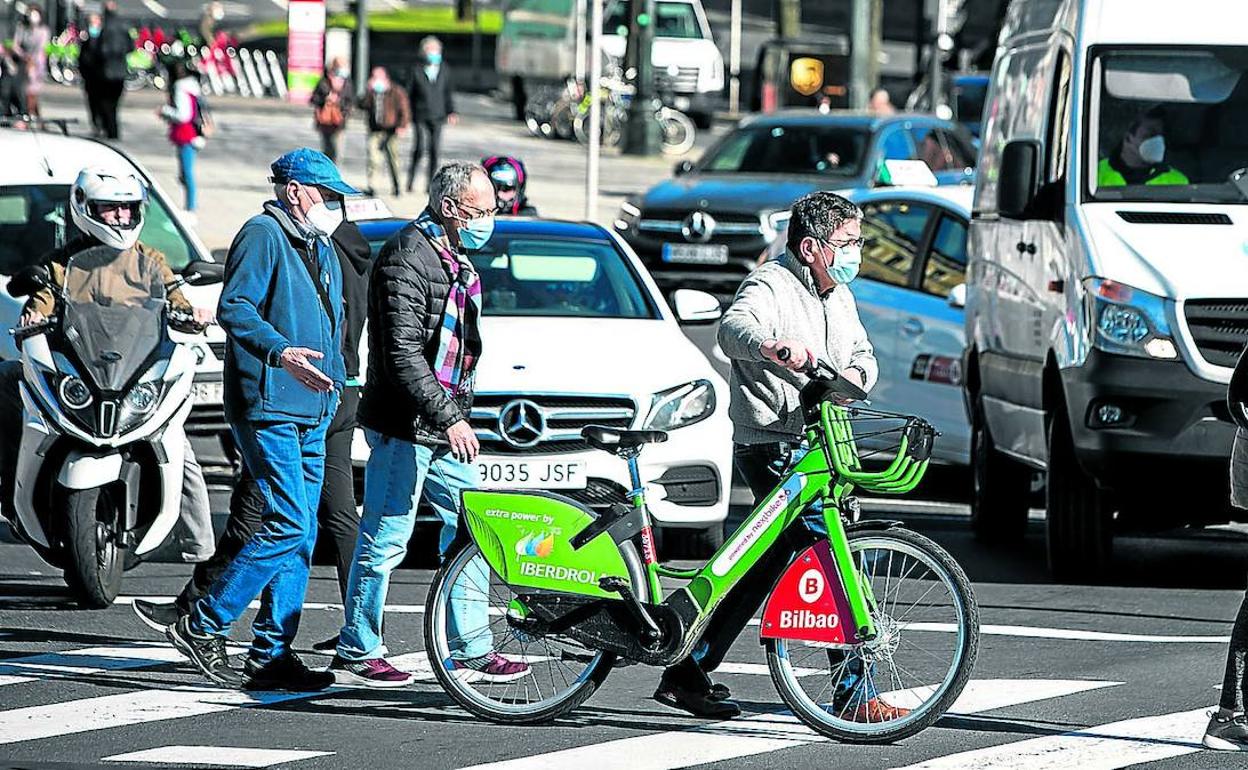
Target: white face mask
{"x": 1153, "y": 149}
{"x": 325, "y": 217}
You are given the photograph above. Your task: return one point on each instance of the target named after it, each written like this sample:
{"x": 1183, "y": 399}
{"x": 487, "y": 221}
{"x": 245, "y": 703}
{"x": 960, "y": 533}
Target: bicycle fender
{"x": 872, "y": 525}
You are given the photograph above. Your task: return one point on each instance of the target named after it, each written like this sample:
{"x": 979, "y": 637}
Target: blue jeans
{"x": 397, "y": 474}
{"x": 288, "y": 464}
{"x": 186, "y": 172}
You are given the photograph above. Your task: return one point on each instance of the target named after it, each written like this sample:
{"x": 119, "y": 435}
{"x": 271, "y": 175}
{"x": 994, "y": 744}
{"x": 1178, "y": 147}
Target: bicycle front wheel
{"x": 927, "y": 636}
{"x": 470, "y": 611}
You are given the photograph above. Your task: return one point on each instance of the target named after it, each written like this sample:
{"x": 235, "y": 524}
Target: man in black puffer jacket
{"x": 424, "y": 311}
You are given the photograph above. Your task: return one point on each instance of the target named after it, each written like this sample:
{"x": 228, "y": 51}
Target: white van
{"x": 1108, "y": 275}
{"x": 537, "y": 47}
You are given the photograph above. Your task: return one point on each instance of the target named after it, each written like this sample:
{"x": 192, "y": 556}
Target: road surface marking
{"x": 397, "y": 609}
{"x": 760, "y": 669}
{"x": 764, "y": 733}
{"x": 87, "y": 661}
{"x": 1068, "y": 634}
{"x": 156, "y": 8}
{"x": 1103, "y": 747}
{"x": 216, "y": 755}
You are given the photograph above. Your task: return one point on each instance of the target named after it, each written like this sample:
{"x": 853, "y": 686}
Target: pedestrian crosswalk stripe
{"x": 1103, "y": 747}
{"x": 226, "y": 756}
{"x": 84, "y": 662}
{"x": 760, "y": 669}
{"x": 763, "y": 733}
{"x": 1069, "y": 634}
{"x": 397, "y": 609}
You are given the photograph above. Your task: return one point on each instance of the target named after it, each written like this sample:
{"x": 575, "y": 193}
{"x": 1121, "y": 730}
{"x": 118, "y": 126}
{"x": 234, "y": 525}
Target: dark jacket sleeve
{"x": 248, "y": 272}
{"x": 402, "y": 299}
{"x": 448, "y": 83}
{"x": 320, "y": 92}
{"x": 404, "y": 108}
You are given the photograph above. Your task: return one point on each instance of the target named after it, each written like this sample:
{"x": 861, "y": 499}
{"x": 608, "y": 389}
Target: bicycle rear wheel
{"x": 562, "y": 674}
{"x": 927, "y": 625}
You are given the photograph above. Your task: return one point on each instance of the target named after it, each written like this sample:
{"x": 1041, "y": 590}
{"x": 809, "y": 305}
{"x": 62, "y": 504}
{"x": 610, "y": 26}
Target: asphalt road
{"x": 1068, "y": 677}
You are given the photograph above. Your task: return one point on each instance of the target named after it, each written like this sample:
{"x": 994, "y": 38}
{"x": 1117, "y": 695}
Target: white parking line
{"x": 1104, "y": 747}
{"x": 228, "y": 756}
{"x": 764, "y": 733}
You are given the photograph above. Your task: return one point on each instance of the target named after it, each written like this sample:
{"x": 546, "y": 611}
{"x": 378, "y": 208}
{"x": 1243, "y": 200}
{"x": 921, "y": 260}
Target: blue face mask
{"x": 93, "y": 32}
{"x": 379, "y": 87}
{"x": 433, "y": 58}
{"x": 845, "y": 268}
{"x": 476, "y": 232}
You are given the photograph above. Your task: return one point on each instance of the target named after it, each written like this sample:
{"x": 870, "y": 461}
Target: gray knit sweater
{"x": 777, "y": 301}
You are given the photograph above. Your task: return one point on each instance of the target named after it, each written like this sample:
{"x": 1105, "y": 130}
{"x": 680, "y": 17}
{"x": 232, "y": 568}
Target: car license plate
{"x": 208, "y": 393}
{"x": 696, "y": 253}
{"x": 531, "y": 474}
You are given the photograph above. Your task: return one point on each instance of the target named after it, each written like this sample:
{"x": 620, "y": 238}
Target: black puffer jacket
{"x": 407, "y": 294}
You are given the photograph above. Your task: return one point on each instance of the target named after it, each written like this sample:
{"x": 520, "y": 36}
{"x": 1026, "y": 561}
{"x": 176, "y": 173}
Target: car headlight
{"x": 74, "y": 393}
{"x": 774, "y": 223}
{"x": 681, "y": 406}
{"x": 1129, "y": 321}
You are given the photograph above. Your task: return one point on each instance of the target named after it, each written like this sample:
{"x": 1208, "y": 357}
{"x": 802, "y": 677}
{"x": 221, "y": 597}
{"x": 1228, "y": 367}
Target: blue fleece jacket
{"x": 269, "y": 303}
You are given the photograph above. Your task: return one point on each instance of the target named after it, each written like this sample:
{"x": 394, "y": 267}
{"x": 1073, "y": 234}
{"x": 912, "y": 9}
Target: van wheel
{"x": 1079, "y": 528}
{"x": 1001, "y": 486}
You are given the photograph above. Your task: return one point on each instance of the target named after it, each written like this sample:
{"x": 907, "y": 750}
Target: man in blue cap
{"x": 281, "y": 308}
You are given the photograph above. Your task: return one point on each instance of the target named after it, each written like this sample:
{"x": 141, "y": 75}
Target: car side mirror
{"x": 957, "y": 296}
{"x": 200, "y": 273}
{"x": 29, "y": 281}
{"x": 683, "y": 167}
{"x": 696, "y": 307}
{"x": 1019, "y": 178}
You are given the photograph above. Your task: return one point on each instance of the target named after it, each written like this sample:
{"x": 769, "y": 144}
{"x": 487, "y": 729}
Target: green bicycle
{"x": 869, "y": 610}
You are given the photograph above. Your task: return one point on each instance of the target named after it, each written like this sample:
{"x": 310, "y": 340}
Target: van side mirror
{"x": 1019, "y": 179}
{"x": 29, "y": 281}
{"x": 683, "y": 167}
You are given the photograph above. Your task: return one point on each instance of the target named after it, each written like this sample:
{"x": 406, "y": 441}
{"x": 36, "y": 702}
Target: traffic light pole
{"x": 641, "y": 131}
{"x": 360, "y": 69}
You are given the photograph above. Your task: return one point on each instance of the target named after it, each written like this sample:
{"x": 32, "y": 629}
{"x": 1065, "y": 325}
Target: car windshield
{"x": 676, "y": 20}
{"x": 34, "y": 219}
{"x": 788, "y": 149}
{"x": 1167, "y": 124}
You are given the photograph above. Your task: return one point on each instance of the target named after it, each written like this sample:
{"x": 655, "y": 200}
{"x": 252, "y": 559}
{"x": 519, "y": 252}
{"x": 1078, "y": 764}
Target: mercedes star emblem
{"x": 521, "y": 423}
{"x": 698, "y": 227}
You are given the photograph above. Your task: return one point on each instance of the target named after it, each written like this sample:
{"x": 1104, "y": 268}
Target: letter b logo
{"x": 810, "y": 588}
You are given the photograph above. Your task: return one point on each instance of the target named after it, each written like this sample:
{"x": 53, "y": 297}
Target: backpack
{"x": 202, "y": 120}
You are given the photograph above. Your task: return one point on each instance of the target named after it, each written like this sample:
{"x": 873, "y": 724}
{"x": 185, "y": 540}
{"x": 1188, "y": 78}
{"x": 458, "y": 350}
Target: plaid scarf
{"x": 453, "y": 366}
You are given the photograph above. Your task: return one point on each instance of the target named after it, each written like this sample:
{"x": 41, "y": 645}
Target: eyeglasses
{"x": 470, "y": 209}
{"x": 859, "y": 242}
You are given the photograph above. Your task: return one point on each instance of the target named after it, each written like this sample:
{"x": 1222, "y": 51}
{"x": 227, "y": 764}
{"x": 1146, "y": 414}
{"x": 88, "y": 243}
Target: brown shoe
{"x": 876, "y": 710}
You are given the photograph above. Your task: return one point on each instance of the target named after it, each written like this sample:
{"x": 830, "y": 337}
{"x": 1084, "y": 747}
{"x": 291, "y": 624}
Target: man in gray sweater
{"x": 800, "y": 303}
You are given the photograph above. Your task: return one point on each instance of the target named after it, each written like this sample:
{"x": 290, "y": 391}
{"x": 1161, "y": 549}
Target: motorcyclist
{"x": 107, "y": 208}
{"x": 508, "y": 176}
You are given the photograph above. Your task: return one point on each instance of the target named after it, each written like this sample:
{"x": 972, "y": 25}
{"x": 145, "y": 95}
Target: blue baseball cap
{"x": 310, "y": 167}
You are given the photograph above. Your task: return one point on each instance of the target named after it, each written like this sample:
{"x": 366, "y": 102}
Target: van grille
{"x": 683, "y": 80}
{"x": 1173, "y": 218}
{"x": 1219, "y": 328}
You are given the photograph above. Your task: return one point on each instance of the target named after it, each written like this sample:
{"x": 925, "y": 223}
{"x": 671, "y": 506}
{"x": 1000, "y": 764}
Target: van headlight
{"x": 1129, "y": 321}
{"x": 681, "y": 406}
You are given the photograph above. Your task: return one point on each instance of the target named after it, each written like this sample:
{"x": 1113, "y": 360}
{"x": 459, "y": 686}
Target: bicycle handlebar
{"x": 818, "y": 370}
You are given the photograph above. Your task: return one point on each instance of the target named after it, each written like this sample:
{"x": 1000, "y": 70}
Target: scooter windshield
{"x": 113, "y": 313}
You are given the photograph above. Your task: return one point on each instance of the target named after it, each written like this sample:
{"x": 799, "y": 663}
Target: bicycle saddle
{"x": 614, "y": 439}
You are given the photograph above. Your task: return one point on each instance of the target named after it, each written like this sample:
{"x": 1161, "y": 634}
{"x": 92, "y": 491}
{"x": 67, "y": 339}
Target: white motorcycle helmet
{"x": 96, "y": 186}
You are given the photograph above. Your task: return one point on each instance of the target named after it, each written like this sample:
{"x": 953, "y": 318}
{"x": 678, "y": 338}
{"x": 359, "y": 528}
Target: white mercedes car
{"x": 576, "y": 333}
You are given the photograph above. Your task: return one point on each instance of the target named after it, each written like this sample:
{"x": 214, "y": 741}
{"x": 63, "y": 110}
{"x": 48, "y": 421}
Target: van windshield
{"x": 1166, "y": 124}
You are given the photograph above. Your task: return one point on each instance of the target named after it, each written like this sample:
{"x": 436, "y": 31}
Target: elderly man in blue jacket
{"x": 281, "y": 307}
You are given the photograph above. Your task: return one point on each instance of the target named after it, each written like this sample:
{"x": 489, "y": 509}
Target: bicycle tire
{"x": 588, "y": 682}
{"x": 679, "y": 133}
{"x": 816, "y": 718}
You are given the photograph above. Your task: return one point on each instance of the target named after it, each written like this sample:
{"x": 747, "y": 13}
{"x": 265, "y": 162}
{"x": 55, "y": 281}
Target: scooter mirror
{"x": 199, "y": 273}
{"x": 29, "y": 281}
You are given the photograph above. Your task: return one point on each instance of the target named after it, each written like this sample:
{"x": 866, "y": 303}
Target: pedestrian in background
{"x": 388, "y": 115}
{"x": 880, "y": 103}
{"x": 281, "y": 309}
{"x": 424, "y": 341}
{"x": 31, "y": 44}
{"x": 12, "y": 83}
{"x": 332, "y": 100}
{"x": 433, "y": 103}
{"x": 184, "y": 116}
{"x": 102, "y": 63}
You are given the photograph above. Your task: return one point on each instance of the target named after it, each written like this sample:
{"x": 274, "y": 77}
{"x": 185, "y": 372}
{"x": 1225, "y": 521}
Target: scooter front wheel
{"x": 472, "y": 612}
{"x": 899, "y": 683}
{"x": 96, "y": 563}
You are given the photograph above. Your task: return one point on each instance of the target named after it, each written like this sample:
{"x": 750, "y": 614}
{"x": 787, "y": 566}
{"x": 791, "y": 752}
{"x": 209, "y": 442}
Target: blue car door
{"x": 932, "y": 338}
